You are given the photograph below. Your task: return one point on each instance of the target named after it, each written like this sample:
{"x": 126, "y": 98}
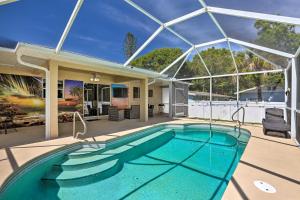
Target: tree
{"x": 278, "y": 36}
{"x": 218, "y": 61}
{"x": 130, "y": 45}
{"x": 157, "y": 59}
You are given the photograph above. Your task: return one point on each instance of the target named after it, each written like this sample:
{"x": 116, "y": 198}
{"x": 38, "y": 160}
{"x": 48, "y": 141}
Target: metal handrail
{"x": 232, "y": 117}
{"x": 74, "y": 123}
{"x": 238, "y": 120}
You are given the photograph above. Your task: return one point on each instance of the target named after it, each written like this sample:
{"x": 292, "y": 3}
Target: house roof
{"x": 35, "y": 52}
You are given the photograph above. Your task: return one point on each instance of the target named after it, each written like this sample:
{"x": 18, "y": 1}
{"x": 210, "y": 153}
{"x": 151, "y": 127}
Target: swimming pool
{"x": 190, "y": 161}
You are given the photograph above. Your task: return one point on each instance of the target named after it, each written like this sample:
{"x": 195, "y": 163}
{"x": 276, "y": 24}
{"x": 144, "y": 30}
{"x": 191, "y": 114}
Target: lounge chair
{"x": 274, "y": 124}
{"x": 114, "y": 114}
{"x": 133, "y": 112}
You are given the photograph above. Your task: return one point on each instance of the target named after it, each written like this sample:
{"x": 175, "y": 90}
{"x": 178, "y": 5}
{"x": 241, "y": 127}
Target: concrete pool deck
{"x": 270, "y": 159}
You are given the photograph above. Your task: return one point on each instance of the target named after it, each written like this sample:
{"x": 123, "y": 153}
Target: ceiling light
{"x": 95, "y": 78}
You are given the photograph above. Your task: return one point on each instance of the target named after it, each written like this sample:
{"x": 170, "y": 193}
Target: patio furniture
{"x": 161, "y": 107}
{"x": 274, "y": 123}
{"x": 274, "y": 113}
{"x": 115, "y": 114}
{"x": 150, "y": 110}
{"x": 105, "y": 109}
{"x": 133, "y": 112}
{"x": 92, "y": 111}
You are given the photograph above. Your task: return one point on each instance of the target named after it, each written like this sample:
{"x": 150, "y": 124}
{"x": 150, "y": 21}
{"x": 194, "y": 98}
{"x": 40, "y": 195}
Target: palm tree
{"x": 258, "y": 64}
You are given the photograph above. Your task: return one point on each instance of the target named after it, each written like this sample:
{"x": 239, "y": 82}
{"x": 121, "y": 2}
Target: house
{"x": 32, "y": 77}
{"x": 269, "y": 94}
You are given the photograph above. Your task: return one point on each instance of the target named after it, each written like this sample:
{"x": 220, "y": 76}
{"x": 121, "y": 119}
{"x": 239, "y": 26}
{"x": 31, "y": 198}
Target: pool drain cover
{"x": 265, "y": 187}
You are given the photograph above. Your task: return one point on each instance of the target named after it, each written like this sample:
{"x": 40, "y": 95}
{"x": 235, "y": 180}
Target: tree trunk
{"x": 259, "y": 93}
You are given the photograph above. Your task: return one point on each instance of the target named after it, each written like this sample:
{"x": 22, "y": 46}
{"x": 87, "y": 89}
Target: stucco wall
{"x": 155, "y": 100}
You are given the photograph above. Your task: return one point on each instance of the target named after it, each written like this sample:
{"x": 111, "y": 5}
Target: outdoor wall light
{"x": 95, "y": 78}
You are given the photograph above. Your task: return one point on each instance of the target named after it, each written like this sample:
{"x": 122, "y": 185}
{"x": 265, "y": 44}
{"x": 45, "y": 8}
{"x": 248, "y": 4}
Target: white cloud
{"x": 123, "y": 18}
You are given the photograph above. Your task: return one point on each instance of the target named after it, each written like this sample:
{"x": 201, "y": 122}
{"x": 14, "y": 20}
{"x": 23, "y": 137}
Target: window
{"x": 136, "y": 92}
{"x": 150, "y": 93}
{"x": 106, "y": 94}
{"x": 120, "y": 92}
{"x": 60, "y": 89}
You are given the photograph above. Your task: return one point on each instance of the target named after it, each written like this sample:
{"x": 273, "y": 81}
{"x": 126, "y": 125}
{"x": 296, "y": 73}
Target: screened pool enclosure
{"x": 221, "y": 47}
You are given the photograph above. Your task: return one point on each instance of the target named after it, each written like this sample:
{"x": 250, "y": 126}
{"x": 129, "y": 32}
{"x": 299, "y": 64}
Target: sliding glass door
{"x": 96, "y": 99}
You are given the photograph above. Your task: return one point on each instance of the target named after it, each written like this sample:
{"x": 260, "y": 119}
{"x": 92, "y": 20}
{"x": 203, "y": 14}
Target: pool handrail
{"x": 75, "y": 135}
{"x": 238, "y": 120}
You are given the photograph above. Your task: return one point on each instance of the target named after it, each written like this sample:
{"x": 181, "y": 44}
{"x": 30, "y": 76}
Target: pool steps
{"x": 75, "y": 171}
{"x": 86, "y": 152}
{"x": 87, "y": 175}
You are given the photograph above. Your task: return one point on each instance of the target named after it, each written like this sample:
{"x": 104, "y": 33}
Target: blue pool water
{"x": 192, "y": 161}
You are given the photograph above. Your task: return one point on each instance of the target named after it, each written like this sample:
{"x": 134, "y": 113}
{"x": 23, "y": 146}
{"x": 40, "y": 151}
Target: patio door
{"x": 96, "y": 100}
{"x": 179, "y": 105}
{"x": 90, "y": 100}
{"x": 103, "y": 99}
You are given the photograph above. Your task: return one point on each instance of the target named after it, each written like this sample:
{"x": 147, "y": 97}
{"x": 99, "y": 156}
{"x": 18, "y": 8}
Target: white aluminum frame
{"x": 178, "y": 104}
{"x": 3, "y": 2}
{"x": 254, "y": 15}
{"x": 144, "y": 45}
{"x": 233, "y": 74}
{"x": 69, "y": 25}
{"x": 263, "y": 58}
{"x": 237, "y": 13}
{"x": 210, "y": 10}
{"x": 187, "y": 56}
{"x": 294, "y": 94}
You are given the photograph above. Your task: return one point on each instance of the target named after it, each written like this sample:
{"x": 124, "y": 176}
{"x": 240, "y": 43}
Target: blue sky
{"x": 100, "y": 27}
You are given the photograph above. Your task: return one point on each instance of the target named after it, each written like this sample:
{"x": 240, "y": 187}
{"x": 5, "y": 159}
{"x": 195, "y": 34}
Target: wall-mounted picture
{"x": 21, "y": 102}
{"x": 72, "y": 101}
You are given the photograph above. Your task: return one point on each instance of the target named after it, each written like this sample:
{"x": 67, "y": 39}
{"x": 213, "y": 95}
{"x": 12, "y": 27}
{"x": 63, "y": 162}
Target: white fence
{"x": 222, "y": 110}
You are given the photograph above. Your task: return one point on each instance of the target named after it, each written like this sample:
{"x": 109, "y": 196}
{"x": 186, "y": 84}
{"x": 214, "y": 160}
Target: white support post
{"x": 144, "y": 45}
{"x": 263, "y": 58}
{"x": 143, "y": 11}
{"x": 181, "y": 65}
{"x": 213, "y": 19}
{"x": 237, "y": 78}
{"x": 170, "y": 99}
{"x": 234, "y": 74}
{"x": 201, "y": 59}
{"x": 286, "y": 85}
{"x": 238, "y": 93}
{"x": 289, "y": 65}
{"x": 297, "y": 52}
{"x": 210, "y": 43}
{"x": 255, "y": 46}
{"x": 210, "y": 99}
{"x": 3, "y": 2}
{"x": 157, "y": 21}
{"x": 175, "y": 61}
{"x": 180, "y": 36}
{"x": 294, "y": 98}
{"x": 69, "y": 25}
{"x": 232, "y": 56}
{"x": 254, "y": 15}
{"x": 185, "y": 17}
